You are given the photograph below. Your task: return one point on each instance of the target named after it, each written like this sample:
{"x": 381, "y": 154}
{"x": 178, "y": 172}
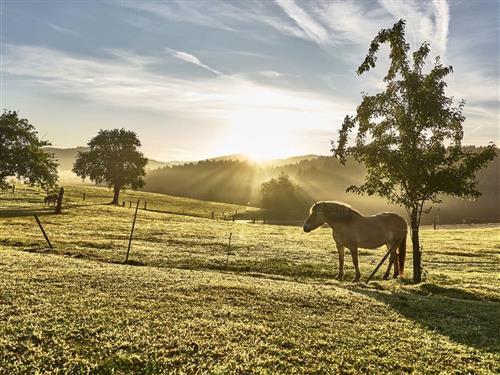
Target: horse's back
{"x": 376, "y": 230}
{"x": 390, "y": 217}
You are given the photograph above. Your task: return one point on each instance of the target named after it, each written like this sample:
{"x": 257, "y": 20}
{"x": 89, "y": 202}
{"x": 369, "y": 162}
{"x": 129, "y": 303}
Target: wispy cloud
{"x": 271, "y": 74}
{"x": 426, "y": 21}
{"x": 311, "y": 27}
{"x": 187, "y": 57}
{"x": 63, "y": 30}
{"x": 123, "y": 80}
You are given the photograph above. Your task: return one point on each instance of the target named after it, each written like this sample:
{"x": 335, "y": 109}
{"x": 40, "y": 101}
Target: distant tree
{"x": 113, "y": 160}
{"x": 283, "y": 196}
{"x": 409, "y": 136}
{"x": 22, "y": 154}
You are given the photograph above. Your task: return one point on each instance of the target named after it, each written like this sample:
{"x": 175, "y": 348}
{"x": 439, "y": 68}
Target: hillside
{"x": 323, "y": 178}
{"x": 268, "y": 304}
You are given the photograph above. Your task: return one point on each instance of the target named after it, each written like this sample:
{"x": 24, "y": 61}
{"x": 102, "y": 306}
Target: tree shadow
{"x": 21, "y": 212}
{"x": 27, "y": 212}
{"x": 460, "y": 315}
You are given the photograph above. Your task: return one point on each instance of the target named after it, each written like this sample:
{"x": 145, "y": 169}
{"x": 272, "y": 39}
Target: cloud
{"x": 426, "y": 21}
{"x": 271, "y": 74}
{"x": 124, "y": 80}
{"x": 178, "y": 11}
{"x": 313, "y": 29}
{"x": 187, "y": 57}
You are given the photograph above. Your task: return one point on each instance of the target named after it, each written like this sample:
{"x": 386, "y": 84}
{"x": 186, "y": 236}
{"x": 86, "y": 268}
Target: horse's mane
{"x": 337, "y": 210}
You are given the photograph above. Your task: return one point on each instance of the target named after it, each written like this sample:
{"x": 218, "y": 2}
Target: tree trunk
{"x": 417, "y": 255}
{"x": 59, "y": 201}
{"x": 116, "y": 195}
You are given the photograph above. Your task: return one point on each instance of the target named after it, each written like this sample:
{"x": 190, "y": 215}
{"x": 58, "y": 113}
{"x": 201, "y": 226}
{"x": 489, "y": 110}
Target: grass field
{"x": 268, "y": 305}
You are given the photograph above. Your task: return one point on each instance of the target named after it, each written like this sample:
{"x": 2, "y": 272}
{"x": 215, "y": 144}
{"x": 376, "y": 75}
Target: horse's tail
{"x": 402, "y": 255}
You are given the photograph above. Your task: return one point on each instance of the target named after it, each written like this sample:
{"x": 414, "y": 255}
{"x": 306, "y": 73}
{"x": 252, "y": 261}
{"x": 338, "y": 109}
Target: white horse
{"x": 353, "y": 230}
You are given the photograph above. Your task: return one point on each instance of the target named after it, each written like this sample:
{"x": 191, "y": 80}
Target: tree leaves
{"x": 113, "y": 160}
{"x": 22, "y": 154}
{"x": 409, "y": 136}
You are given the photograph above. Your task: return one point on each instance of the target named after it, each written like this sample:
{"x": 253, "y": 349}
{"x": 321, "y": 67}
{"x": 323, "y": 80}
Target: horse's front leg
{"x": 340, "y": 250}
{"x": 354, "y": 255}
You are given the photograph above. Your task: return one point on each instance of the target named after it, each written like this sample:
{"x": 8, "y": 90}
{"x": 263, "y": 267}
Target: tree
{"x": 22, "y": 154}
{"x": 283, "y": 196}
{"x": 409, "y": 136}
{"x": 113, "y": 160}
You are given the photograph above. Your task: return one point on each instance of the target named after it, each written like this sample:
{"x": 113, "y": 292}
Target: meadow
{"x": 190, "y": 303}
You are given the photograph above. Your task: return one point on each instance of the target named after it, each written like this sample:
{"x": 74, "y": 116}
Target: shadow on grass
{"x": 21, "y": 212}
{"x": 451, "y": 312}
{"x": 27, "y": 212}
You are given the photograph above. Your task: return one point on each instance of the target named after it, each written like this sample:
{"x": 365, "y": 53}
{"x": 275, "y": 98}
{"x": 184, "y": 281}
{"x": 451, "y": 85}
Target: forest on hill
{"x": 321, "y": 177}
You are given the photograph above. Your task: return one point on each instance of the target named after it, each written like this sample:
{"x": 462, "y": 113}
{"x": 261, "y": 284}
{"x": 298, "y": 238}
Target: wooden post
{"x": 212, "y": 215}
{"x": 84, "y": 194}
{"x": 43, "y": 231}
{"x": 145, "y": 204}
{"x": 379, "y": 265}
{"x": 13, "y": 188}
{"x": 228, "y": 249}
{"x": 132, "y": 232}
{"x": 59, "y": 201}
{"x": 130, "y": 204}
{"x": 123, "y": 204}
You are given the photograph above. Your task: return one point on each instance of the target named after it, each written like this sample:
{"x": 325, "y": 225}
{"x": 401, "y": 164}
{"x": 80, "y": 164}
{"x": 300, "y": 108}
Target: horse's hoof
{"x": 339, "y": 277}
{"x": 385, "y": 277}
{"x": 356, "y": 279}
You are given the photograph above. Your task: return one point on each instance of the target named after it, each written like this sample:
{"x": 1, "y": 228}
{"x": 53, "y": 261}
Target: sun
{"x": 261, "y": 136}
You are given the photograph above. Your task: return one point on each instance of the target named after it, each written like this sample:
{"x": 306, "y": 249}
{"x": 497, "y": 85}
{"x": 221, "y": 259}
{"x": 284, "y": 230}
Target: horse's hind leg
{"x": 396, "y": 262}
{"x": 392, "y": 260}
{"x": 340, "y": 250}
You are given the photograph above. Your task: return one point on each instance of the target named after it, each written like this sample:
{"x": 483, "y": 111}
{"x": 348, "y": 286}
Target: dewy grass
{"x": 277, "y": 308}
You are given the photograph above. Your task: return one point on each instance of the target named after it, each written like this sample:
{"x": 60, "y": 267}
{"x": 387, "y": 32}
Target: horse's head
{"x": 316, "y": 218}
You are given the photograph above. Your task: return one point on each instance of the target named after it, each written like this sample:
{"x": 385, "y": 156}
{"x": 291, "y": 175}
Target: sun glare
{"x": 262, "y": 135}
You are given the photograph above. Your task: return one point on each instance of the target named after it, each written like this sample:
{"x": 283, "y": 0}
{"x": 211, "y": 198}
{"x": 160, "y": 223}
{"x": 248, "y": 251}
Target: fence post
{"x": 43, "y": 231}
{"x": 13, "y": 188}
{"x": 228, "y": 249}
{"x": 123, "y": 204}
{"x": 84, "y": 194}
{"x": 132, "y": 232}
{"x": 145, "y": 204}
{"x": 212, "y": 215}
{"x": 130, "y": 204}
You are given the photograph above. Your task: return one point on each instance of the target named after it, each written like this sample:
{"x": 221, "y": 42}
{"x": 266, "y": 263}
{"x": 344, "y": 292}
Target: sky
{"x": 196, "y": 79}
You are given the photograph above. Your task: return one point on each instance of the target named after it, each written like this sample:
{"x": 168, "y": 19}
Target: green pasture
{"x": 269, "y": 303}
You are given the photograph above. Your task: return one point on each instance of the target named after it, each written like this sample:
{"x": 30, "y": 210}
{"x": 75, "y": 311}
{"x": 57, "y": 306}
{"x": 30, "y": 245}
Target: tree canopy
{"x": 22, "y": 154}
{"x": 283, "y": 196}
{"x": 409, "y": 136}
{"x": 113, "y": 160}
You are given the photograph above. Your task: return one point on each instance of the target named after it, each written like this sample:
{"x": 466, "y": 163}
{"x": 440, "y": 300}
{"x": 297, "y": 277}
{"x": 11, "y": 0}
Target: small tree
{"x": 409, "y": 136}
{"x": 283, "y": 196}
{"x": 113, "y": 160}
{"x": 22, "y": 154}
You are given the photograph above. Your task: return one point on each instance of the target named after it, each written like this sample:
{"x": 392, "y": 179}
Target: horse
{"x": 353, "y": 230}
{"x": 50, "y": 199}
